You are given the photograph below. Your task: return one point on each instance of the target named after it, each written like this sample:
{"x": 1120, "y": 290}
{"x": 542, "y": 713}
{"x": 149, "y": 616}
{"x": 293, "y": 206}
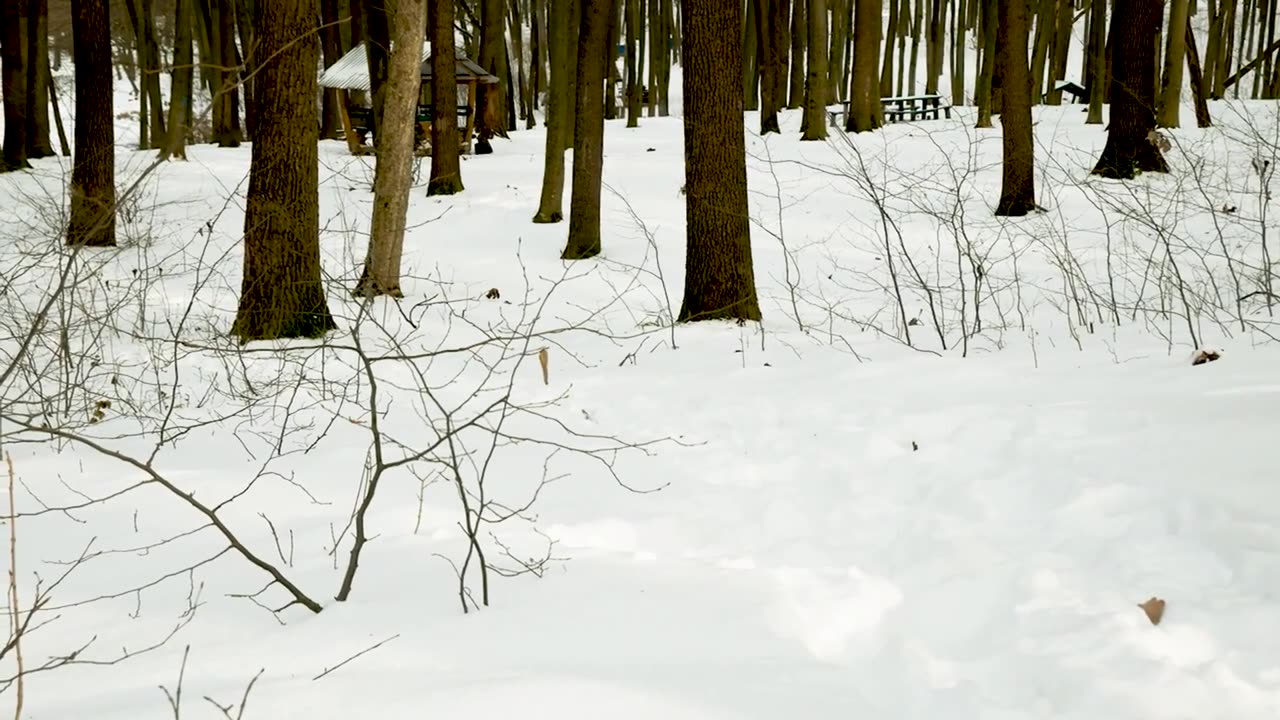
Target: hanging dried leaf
{"x": 543, "y": 361}
{"x": 1154, "y": 608}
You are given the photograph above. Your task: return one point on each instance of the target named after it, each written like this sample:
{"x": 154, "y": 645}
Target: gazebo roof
{"x": 351, "y": 72}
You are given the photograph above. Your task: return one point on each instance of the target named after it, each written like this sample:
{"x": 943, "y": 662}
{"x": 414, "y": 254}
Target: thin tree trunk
{"x": 377, "y": 46}
{"x": 446, "y": 166}
{"x": 815, "y": 103}
{"x": 332, "y": 50}
{"x": 93, "y": 189}
{"x": 38, "y": 80}
{"x": 281, "y": 293}
{"x": 750, "y": 42}
{"x": 393, "y": 172}
{"x": 1097, "y": 46}
{"x": 550, "y": 207}
{"x": 588, "y": 144}
{"x": 835, "y": 61}
{"x": 959, "y": 51}
{"x": 1017, "y": 190}
{"x": 1171, "y": 88}
{"x": 13, "y": 68}
{"x": 634, "y": 34}
{"x": 1040, "y": 48}
{"x": 719, "y": 278}
{"x": 227, "y": 129}
{"x": 865, "y": 110}
{"x": 1197, "y": 80}
{"x": 799, "y": 41}
{"x": 180, "y": 83}
{"x": 986, "y": 71}
{"x": 891, "y": 33}
{"x": 1061, "y": 48}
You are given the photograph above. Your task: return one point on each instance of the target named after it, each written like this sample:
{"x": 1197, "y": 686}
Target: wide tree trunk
{"x": 1018, "y": 190}
{"x": 93, "y": 189}
{"x": 446, "y": 166}
{"x": 588, "y": 142}
{"x": 1130, "y": 147}
{"x": 281, "y": 293}
{"x": 719, "y": 281}
{"x": 181, "y": 77}
{"x": 13, "y": 68}
{"x": 1171, "y": 88}
{"x": 865, "y": 109}
{"x": 38, "y": 144}
{"x": 551, "y": 204}
{"x": 393, "y": 173}
{"x": 490, "y": 105}
{"x": 815, "y": 93}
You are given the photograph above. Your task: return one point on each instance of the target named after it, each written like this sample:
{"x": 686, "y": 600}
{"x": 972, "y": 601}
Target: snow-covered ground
{"x": 809, "y": 518}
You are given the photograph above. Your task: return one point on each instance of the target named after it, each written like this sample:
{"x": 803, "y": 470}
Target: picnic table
{"x": 906, "y": 108}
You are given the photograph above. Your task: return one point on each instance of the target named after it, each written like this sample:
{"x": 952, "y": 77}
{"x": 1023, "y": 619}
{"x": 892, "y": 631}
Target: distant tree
{"x": 799, "y": 41}
{"x": 38, "y": 144}
{"x": 1131, "y": 147}
{"x": 181, "y": 77}
{"x": 814, "y": 126}
{"x": 377, "y": 48}
{"x": 332, "y": 49}
{"x": 446, "y": 167}
{"x": 550, "y": 207}
{"x": 393, "y": 173}
{"x": 490, "y": 105}
{"x": 719, "y": 279}
{"x": 984, "y": 90}
{"x": 588, "y": 143}
{"x": 1018, "y": 189}
{"x": 1097, "y": 61}
{"x": 865, "y": 110}
{"x": 13, "y": 68}
{"x": 93, "y": 190}
{"x": 1175, "y": 48}
{"x": 281, "y": 294}
{"x": 227, "y": 130}
{"x": 773, "y": 43}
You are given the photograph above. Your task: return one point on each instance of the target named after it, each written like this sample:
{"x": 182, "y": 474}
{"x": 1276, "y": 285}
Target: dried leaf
{"x": 543, "y": 361}
{"x": 493, "y": 294}
{"x": 1154, "y": 608}
{"x": 1205, "y": 356}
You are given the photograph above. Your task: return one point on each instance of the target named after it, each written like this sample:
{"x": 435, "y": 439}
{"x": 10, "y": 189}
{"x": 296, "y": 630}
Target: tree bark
{"x": 490, "y": 107}
{"x": 332, "y": 50}
{"x": 393, "y": 172}
{"x": 635, "y": 30}
{"x": 719, "y": 279}
{"x": 865, "y": 110}
{"x": 1171, "y": 87}
{"x": 835, "y": 61}
{"x": 446, "y": 167}
{"x": 799, "y": 41}
{"x": 551, "y": 204}
{"x": 750, "y": 56}
{"x": 1061, "y": 49}
{"x": 987, "y": 69}
{"x": 281, "y": 293}
{"x": 1197, "y": 79}
{"x": 38, "y": 144}
{"x": 891, "y": 33}
{"x": 1017, "y": 190}
{"x": 13, "y": 68}
{"x": 377, "y": 49}
{"x": 1129, "y": 149}
{"x": 588, "y": 142}
{"x": 227, "y": 130}
{"x": 1097, "y": 79}
{"x": 180, "y": 83}
{"x": 773, "y": 60}
{"x": 93, "y": 190}
{"x": 815, "y": 100}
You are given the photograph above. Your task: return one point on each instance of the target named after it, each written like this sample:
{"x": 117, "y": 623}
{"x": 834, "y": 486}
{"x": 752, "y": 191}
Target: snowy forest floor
{"x": 809, "y": 518}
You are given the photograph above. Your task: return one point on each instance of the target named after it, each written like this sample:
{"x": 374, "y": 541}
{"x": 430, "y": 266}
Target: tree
{"x": 226, "y": 122}
{"x": 865, "y": 110}
{"x": 493, "y": 48}
{"x": 446, "y": 167}
{"x": 1018, "y": 189}
{"x": 394, "y": 171}
{"x": 181, "y": 77}
{"x": 588, "y": 142}
{"x": 38, "y": 144}
{"x": 815, "y": 89}
{"x": 550, "y": 207}
{"x": 281, "y": 295}
{"x": 13, "y": 68}
{"x": 984, "y": 87}
{"x": 1175, "y": 47}
{"x": 1131, "y": 146}
{"x": 773, "y": 44}
{"x": 719, "y": 280}
{"x": 1097, "y": 60}
{"x": 93, "y": 190}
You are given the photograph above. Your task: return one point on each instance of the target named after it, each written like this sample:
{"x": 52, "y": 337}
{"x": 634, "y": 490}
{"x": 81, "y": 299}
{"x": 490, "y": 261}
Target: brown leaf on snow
{"x": 544, "y": 360}
{"x": 1154, "y": 608}
{"x": 1205, "y": 356}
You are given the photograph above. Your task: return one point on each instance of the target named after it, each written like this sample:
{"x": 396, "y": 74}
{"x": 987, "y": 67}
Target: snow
{"x": 830, "y": 524}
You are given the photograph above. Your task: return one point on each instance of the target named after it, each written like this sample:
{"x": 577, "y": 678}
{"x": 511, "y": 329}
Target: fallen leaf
{"x": 1205, "y": 356}
{"x": 1154, "y": 608}
{"x": 543, "y": 360}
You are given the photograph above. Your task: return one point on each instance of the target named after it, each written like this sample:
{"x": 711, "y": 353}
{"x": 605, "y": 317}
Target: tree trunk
{"x": 835, "y": 61}
{"x": 799, "y": 41}
{"x": 865, "y": 110}
{"x": 772, "y": 58}
{"x": 633, "y": 58}
{"x": 588, "y": 142}
{"x": 750, "y": 56}
{"x": 1097, "y": 79}
{"x": 719, "y": 279}
{"x": 959, "y": 53}
{"x": 227, "y": 130}
{"x": 13, "y": 67}
{"x": 446, "y": 166}
{"x": 490, "y": 106}
{"x": 933, "y": 62}
{"x": 38, "y": 79}
{"x": 244, "y": 28}
{"x": 332, "y": 49}
{"x": 1017, "y": 191}
{"x": 815, "y": 100}
{"x": 1129, "y": 149}
{"x": 664, "y": 63}
{"x": 1171, "y": 86}
{"x": 986, "y": 70}
{"x": 550, "y": 207}
{"x": 393, "y": 172}
{"x": 1040, "y": 48}
{"x": 93, "y": 190}
{"x": 1197, "y": 79}
{"x": 1061, "y": 48}
{"x": 180, "y": 83}
{"x": 281, "y": 293}
{"x": 891, "y": 33}
{"x": 377, "y": 47}
{"x": 610, "y": 66}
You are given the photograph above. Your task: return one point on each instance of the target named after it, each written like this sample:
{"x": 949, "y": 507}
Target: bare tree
{"x": 815, "y": 91}
{"x": 1131, "y": 146}
{"x": 865, "y": 109}
{"x": 93, "y": 189}
{"x": 558, "y": 110}
{"x": 446, "y": 166}
{"x": 588, "y": 143}
{"x": 1017, "y": 191}
{"x": 180, "y": 86}
{"x": 13, "y": 67}
{"x": 281, "y": 295}
{"x": 719, "y": 278}
{"x": 1171, "y": 83}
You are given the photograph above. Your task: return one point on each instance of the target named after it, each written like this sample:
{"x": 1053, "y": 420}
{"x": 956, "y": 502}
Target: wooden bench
{"x": 1078, "y": 94}
{"x": 907, "y": 108}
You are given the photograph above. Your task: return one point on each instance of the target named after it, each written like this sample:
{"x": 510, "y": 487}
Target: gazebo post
{"x": 353, "y": 143}
{"x": 471, "y": 112}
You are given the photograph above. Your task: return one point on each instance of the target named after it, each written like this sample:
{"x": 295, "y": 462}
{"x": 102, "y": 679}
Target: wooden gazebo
{"x": 351, "y": 73}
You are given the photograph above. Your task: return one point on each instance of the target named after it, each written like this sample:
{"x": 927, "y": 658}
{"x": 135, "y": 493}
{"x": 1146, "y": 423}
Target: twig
{"x": 371, "y": 648}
